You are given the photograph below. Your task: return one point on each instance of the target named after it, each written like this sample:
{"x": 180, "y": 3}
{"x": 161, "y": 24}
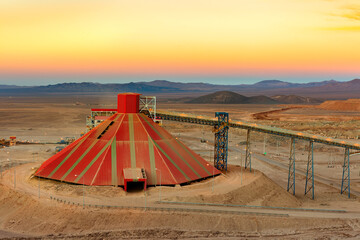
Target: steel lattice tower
{"x": 248, "y": 151}
{"x": 345, "y": 182}
{"x": 309, "y": 183}
{"x": 221, "y": 140}
{"x": 291, "y": 175}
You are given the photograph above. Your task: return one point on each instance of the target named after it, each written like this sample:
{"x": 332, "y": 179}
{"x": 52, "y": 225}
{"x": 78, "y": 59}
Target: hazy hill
{"x": 89, "y": 87}
{"x": 8, "y": 86}
{"x": 293, "y": 99}
{"x": 227, "y": 97}
{"x": 206, "y": 87}
{"x": 334, "y": 90}
{"x": 182, "y": 86}
{"x": 223, "y": 97}
{"x": 261, "y": 99}
{"x": 98, "y": 87}
{"x": 350, "y": 86}
{"x": 276, "y": 84}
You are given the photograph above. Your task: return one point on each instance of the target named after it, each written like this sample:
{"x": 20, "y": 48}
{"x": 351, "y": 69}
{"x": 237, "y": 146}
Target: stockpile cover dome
{"x": 126, "y": 140}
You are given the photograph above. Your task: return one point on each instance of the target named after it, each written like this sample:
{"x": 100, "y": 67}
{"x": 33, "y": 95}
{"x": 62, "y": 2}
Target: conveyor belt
{"x": 202, "y": 120}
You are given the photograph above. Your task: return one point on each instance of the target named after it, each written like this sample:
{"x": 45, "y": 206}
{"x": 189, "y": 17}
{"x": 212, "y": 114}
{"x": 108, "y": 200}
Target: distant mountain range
{"x": 332, "y": 89}
{"x": 324, "y": 89}
{"x": 205, "y": 87}
{"x": 87, "y": 87}
{"x": 9, "y": 86}
{"x": 227, "y": 97}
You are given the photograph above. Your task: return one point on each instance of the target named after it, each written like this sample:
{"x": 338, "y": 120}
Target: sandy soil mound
{"x": 346, "y": 105}
{"x": 24, "y": 215}
{"x": 64, "y": 189}
{"x": 261, "y": 191}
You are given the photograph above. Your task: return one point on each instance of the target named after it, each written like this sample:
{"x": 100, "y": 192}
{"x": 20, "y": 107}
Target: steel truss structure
{"x": 291, "y": 175}
{"x": 221, "y": 141}
{"x": 202, "y": 120}
{"x": 345, "y": 181}
{"x": 147, "y": 105}
{"x": 97, "y": 116}
{"x": 182, "y": 117}
{"x": 248, "y": 151}
{"x": 309, "y": 182}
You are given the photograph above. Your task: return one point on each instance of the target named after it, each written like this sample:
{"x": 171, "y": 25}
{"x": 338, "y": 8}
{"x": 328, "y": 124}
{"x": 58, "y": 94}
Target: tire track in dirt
{"x": 265, "y": 115}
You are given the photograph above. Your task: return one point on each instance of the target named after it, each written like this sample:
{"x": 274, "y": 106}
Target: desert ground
{"x": 236, "y": 204}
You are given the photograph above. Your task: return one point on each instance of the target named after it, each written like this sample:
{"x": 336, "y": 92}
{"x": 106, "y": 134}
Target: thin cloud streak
{"x": 352, "y": 12}
{"x": 341, "y": 28}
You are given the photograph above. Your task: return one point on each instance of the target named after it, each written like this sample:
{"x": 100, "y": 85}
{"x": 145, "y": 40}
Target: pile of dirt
{"x": 260, "y": 192}
{"x": 22, "y": 214}
{"x": 345, "y": 105}
{"x": 74, "y": 190}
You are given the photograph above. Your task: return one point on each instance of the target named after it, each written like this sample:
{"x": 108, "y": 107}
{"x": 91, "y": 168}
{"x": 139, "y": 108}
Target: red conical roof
{"x": 126, "y": 141}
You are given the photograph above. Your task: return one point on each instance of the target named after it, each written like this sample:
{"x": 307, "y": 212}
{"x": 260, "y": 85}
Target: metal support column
{"x": 248, "y": 151}
{"x": 309, "y": 183}
{"x": 291, "y": 175}
{"x": 221, "y": 140}
{"x": 345, "y": 182}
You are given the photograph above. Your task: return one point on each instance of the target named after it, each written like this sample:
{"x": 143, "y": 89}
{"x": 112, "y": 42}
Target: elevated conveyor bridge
{"x": 221, "y": 123}
{"x": 202, "y": 120}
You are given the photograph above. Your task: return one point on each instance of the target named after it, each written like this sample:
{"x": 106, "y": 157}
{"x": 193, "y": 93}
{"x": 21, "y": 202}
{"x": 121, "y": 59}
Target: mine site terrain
{"x": 236, "y": 204}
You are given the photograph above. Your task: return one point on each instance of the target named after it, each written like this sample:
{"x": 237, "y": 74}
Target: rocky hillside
{"x": 227, "y": 97}
{"x": 293, "y": 99}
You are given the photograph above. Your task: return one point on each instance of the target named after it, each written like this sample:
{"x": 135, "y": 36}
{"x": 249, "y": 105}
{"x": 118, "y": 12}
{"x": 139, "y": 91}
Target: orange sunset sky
{"x": 227, "y": 41}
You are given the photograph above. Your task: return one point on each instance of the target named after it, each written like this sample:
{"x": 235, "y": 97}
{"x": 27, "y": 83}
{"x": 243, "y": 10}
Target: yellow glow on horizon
{"x": 232, "y": 36}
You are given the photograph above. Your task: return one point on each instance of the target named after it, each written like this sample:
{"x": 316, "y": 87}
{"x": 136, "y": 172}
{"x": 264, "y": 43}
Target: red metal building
{"x": 127, "y": 147}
